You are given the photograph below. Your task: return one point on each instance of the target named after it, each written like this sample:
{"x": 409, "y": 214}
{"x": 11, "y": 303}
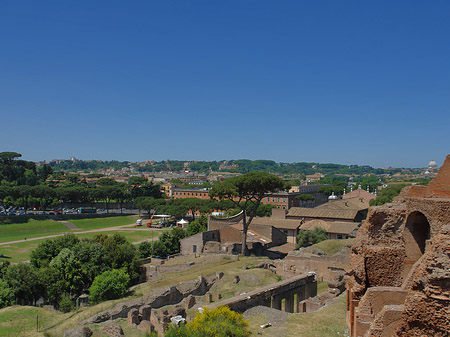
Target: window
{"x": 339, "y": 236}
{"x": 278, "y": 199}
{"x": 268, "y": 199}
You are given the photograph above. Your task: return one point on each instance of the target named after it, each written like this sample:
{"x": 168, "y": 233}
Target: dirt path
{"x": 131, "y": 227}
{"x": 69, "y": 225}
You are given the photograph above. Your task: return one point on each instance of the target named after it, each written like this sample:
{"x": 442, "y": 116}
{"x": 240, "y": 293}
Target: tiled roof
{"x": 350, "y": 203}
{"x": 252, "y": 235}
{"x": 336, "y": 227}
{"x": 277, "y": 223}
{"x": 347, "y": 214}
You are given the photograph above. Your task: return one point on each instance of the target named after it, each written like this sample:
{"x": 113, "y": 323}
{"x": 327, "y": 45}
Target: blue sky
{"x": 352, "y": 82}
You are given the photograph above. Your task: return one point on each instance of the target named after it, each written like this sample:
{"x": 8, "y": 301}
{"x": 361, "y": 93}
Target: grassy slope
{"x": 331, "y": 247}
{"x": 327, "y": 322}
{"x": 22, "y": 321}
{"x": 205, "y": 268}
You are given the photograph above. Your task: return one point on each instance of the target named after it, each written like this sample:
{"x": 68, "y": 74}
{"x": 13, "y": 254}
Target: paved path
{"x": 69, "y": 225}
{"x": 131, "y": 227}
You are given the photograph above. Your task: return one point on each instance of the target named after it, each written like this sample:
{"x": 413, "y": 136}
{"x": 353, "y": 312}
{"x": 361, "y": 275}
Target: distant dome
{"x": 432, "y": 164}
{"x": 332, "y": 196}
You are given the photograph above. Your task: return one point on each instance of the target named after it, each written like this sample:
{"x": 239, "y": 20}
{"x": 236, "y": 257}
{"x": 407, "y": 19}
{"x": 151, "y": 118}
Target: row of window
{"x": 273, "y": 199}
{"x": 196, "y": 194}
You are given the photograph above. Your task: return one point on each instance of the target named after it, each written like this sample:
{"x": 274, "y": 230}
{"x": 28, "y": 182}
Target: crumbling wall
{"x": 406, "y": 246}
{"x": 427, "y": 305}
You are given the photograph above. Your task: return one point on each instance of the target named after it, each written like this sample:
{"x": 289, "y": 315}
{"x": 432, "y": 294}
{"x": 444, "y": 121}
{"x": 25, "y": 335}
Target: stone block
{"x": 145, "y": 326}
{"x": 236, "y": 279}
{"x": 145, "y": 312}
{"x": 133, "y": 317}
{"x": 112, "y": 329}
{"x": 219, "y": 275}
{"x": 79, "y": 332}
{"x": 217, "y": 297}
{"x": 178, "y": 310}
{"x": 189, "y": 302}
{"x": 208, "y": 297}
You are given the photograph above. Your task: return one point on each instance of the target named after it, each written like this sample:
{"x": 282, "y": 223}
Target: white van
{"x": 139, "y": 222}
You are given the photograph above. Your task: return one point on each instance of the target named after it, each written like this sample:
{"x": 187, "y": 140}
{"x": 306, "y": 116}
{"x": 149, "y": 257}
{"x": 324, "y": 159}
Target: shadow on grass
{"x": 8, "y": 220}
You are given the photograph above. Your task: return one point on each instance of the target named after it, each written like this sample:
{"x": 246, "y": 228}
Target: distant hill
{"x": 236, "y": 166}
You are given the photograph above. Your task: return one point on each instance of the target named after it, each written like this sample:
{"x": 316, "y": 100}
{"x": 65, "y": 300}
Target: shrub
{"x": 65, "y": 304}
{"x": 110, "y": 285}
{"x": 306, "y": 237}
{"x": 221, "y": 322}
{"x": 6, "y": 294}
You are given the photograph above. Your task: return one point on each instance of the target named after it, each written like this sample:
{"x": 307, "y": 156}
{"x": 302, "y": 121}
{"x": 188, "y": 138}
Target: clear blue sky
{"x": 352, "y": 82}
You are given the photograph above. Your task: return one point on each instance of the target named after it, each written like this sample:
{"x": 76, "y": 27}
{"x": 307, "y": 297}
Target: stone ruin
{"x": 144, "y": 312}
{"x": 399, "y": 282}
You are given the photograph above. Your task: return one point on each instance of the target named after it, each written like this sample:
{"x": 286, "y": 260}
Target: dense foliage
{"x": 168, "y": 243}
{"x": 63, "y": 268}
{"x": 110, "y": 285}
{"x": 307, "y": 238}
{"x": 235, "y": 166}
{"x": 218, "y": 322}
{"x": 387, "y": 194}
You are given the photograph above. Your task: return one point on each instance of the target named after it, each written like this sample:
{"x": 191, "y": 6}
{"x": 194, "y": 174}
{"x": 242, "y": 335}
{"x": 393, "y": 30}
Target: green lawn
{"x": 329, "y": 321}
{"x": 30, "y": 229}
{"x": 331, "y": 247}
{"x": 19, "y": 252}
{"x": 96, "y": 223}
{"x": 23, "y": 321}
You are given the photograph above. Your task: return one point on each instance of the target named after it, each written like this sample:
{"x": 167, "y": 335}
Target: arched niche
{"x": 415, "y": 236}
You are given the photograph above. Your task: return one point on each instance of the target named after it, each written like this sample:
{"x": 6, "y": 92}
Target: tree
{"x": 110, "y": 285}
{"x": 387, "y": 194}
{"x": 120, "y": 253}
{"x": 22, "y": 279}
{"x": 6, "y": 294}
{"x": 245, "y": 190}
{"x": 307, "y": 237}
{"x": 197, "y": 226}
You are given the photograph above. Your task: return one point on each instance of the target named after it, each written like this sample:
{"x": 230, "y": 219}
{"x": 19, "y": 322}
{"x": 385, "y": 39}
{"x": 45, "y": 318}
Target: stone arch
{"x": 415, "y": 235}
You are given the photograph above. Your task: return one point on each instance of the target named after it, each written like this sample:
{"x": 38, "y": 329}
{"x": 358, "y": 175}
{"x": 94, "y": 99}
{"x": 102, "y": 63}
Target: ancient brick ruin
{"x": 399, "y": 283}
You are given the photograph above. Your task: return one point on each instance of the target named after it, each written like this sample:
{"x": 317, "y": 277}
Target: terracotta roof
{"x": 252, "y": 235}
{"x": 284, "y": 248}
{"x": 359, "y": 193}
{"x": 277, "y": 223}
{"x": 348, "y": 214}
{"x": 350, "y": 203}
{"x": 336, "y": 227}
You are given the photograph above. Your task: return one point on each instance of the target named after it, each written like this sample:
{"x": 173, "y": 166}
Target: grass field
{"x": 28, "y": 321}
{"x": 96, "y": 223}
{"x": 30, "y": 229}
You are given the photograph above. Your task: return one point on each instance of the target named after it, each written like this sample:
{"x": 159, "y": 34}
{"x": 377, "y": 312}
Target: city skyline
{"x": 346, "y": 83}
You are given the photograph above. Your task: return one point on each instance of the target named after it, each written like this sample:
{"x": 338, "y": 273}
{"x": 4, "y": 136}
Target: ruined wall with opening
{"x": 393, "y": 260}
